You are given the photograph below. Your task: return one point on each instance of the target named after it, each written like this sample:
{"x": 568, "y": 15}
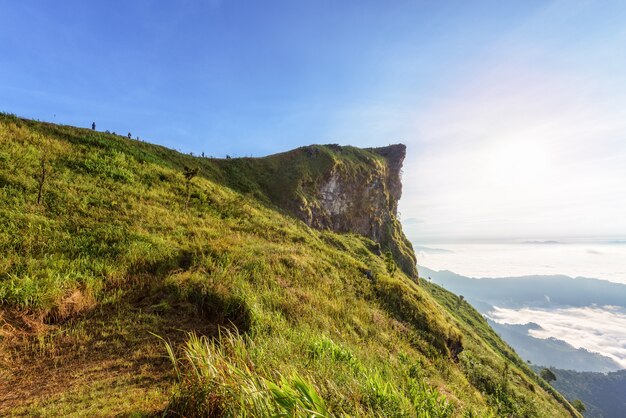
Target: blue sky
{"x": 513, "y": 111}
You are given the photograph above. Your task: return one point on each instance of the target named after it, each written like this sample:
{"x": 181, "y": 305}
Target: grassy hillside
{"x": 292, "y": 181}
{"x": 129, "y": 288}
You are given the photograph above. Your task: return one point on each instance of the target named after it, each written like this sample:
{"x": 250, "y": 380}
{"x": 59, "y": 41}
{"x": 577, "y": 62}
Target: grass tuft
{"x": 220, "y": 379}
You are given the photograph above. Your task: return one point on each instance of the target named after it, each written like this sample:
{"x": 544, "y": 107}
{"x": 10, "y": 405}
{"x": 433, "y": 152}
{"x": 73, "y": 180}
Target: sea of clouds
{"x": 600, "y": 329}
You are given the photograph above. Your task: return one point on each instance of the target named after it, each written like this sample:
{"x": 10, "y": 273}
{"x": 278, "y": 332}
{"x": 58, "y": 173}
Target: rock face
{"x": 362, "y": 199}
{"x": 344, "y": 189}
{"x": 365, "y": 204}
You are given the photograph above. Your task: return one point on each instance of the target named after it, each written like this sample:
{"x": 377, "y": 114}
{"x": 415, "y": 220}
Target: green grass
{"x": 220, "y": 379}
{"x": 283, "y": 318}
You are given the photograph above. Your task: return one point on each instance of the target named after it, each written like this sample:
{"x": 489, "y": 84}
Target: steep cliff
{"x": 344, "y": 189}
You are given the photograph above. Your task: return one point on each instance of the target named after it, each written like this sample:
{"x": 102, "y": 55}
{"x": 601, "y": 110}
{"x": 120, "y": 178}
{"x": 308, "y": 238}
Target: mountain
{"x": 545, "y": 292}
{"x": 139, "y": 281}
{"x": 343, "y": 189}
{"x": 551, "y": 351}
{"x": 604, "y": 395}
{"x": 537, "y": 291}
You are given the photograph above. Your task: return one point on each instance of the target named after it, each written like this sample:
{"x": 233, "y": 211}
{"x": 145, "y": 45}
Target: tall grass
{"x": 220, "y": 379}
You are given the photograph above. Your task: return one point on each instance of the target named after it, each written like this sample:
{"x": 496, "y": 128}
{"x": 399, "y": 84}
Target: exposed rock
{"x": 363, "y": 201}
{"x": 344, "y": 189}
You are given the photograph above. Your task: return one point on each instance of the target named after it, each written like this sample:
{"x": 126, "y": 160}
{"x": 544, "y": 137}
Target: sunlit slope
{"x": 127, "y": 239}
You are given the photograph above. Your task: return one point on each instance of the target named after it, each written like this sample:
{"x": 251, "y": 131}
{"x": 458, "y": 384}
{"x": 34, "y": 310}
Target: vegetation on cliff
{"x": 344, "y": 189}
{"x": 128, "y": 287}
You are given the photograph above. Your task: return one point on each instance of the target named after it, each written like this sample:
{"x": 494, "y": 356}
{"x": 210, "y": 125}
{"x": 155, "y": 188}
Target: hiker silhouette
{"x": 93, "y": 126}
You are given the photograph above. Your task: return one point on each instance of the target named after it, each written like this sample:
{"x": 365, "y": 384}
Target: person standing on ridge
{"x": 93, "y": 126}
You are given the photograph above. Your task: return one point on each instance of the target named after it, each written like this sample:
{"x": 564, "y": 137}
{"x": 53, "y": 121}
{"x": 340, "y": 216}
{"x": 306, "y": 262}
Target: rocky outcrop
{"x": 344, "y": 189}
{"x": 364, "y": 203}
{"x": 361, "y": 197}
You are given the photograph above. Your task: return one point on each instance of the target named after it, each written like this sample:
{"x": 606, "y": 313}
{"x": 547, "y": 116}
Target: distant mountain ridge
{"x": 551, "y": 351}
{"x": 544, "y": 292}
{"x": 537, "y": 291}
{"x": 604, "y": 395}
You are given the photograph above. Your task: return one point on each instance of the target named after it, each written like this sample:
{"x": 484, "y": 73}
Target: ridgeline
{"x": 136, "y": 280}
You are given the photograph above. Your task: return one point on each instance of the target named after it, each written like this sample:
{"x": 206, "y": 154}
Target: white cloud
{"x": 597, "y": 329}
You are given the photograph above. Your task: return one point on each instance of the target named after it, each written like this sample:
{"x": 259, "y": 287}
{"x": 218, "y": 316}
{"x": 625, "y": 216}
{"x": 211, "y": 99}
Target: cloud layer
{"x": 597, "y": 329}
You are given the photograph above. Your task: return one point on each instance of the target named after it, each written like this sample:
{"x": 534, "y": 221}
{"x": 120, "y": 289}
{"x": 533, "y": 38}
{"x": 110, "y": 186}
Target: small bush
{"x": 216, "y": 302}
{"x": 579, "y": 405}
{"x": 327, "y": 348}
{"x": 382, "y": 399}
{"x": 427, "y": 401}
